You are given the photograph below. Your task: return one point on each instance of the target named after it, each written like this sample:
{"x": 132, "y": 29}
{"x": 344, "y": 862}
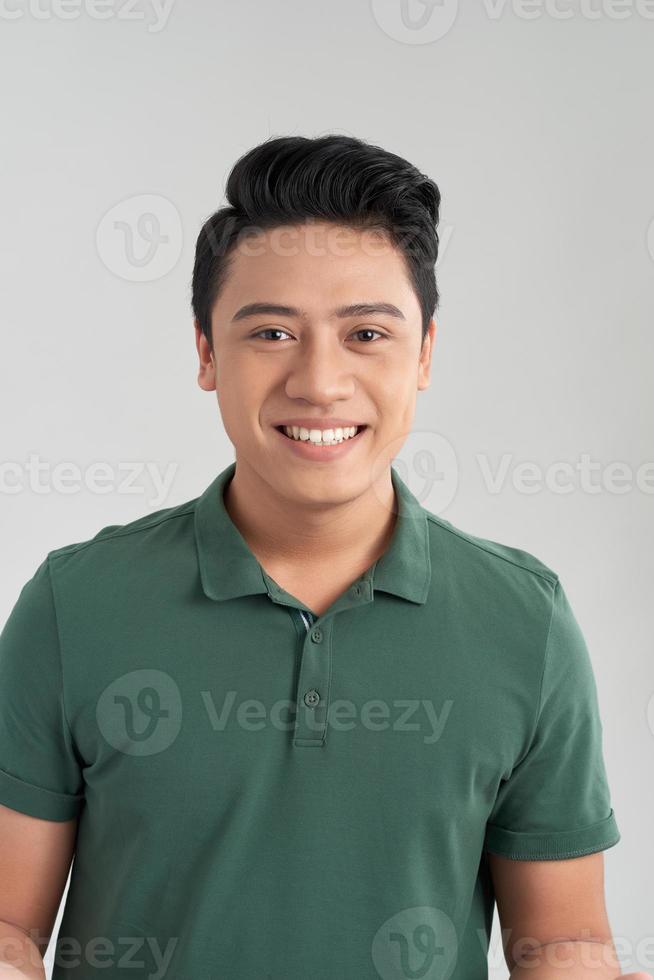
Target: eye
{"x": 278, "y": 330}
{"x": 270, "y": 330}
{"x": 369, "y": 330}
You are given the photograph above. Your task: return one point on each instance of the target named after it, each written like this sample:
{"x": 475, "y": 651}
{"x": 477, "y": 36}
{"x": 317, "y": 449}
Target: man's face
{"x": 313, "y": 364}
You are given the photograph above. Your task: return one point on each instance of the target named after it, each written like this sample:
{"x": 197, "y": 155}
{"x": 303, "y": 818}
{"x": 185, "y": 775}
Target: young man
{"x": 301, "y": 728}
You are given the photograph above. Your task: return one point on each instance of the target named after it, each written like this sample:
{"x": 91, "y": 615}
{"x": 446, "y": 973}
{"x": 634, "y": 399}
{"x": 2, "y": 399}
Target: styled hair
{"x": 289, "y": 180}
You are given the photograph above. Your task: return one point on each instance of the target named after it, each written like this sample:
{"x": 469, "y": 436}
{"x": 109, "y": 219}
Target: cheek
{"x": 231, "y": 409}
{"x": 397, "y": 399}
{"x": 231, "y": 383}
{"x": 242, "y": 399}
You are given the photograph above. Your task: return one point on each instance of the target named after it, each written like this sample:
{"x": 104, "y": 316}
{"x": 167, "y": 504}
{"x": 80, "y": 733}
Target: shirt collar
{"x": 228, "y": 568}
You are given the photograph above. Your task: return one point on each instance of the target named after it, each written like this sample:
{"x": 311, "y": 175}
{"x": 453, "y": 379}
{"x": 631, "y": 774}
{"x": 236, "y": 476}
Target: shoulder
{"x": 494, "y": 579}
{"x": 493, "y": 555}
{"x": 118, "y": 546}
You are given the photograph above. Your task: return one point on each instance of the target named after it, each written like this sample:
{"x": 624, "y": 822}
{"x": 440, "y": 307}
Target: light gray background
{"x": 535, "y": 121}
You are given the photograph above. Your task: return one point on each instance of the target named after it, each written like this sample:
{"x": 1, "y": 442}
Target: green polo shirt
{"x": 268, "y": 794}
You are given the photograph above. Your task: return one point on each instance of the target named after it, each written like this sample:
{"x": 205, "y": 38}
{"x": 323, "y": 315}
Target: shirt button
{"x": 356, "y": 591}
{"x": 311, "y": 698}
{"x": 316, "y": 635}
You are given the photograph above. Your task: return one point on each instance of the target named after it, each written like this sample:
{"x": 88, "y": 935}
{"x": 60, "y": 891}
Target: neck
{"x": 283, "y": 533}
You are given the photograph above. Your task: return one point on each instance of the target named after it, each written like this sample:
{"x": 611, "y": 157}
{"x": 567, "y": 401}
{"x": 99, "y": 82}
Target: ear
{"x": 207, "y": 368}
{"x": 424, "y": 364}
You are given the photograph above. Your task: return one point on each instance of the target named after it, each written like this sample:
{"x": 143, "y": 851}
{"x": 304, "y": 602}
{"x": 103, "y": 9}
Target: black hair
{"x": 289, "y": 180}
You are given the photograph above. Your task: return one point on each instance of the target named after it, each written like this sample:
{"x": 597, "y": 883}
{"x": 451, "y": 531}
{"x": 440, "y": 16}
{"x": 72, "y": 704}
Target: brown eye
{"x": 369, "y": 330}
{"x": 269, "y": 330}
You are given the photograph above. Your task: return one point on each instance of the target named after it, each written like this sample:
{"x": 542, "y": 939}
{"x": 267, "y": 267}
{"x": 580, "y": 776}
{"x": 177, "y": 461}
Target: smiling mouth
{"x": 304, "y": 435}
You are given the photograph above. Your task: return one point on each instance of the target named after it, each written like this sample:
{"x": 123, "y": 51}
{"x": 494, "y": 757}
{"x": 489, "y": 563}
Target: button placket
{"x": 315, "y": 665}
{"x": 312, "y": 695}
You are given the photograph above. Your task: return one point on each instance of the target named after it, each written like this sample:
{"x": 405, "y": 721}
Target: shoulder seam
{"x": 552, "y": 579}
{"x": 119, "y": 532}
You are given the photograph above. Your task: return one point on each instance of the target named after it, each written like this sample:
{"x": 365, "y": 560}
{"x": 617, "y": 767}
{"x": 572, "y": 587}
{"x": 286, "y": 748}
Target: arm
{"x": 553, "y": 919}
{"x": 35, "y": 858}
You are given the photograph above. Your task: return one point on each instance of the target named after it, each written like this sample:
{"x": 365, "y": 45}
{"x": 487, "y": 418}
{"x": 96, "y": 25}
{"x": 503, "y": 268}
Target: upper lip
{"x": 321, "y": 424}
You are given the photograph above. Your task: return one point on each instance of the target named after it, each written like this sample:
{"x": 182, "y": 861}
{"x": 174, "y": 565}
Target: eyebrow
{"x": 341, "y": 312}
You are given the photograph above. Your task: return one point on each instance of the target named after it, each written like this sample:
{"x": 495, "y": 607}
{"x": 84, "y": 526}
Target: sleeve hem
{"x": 537, "y": 846}
{"x": 36, "y": 801}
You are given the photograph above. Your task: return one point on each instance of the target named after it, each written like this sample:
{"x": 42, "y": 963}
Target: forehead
{"x": 318, "y": 258}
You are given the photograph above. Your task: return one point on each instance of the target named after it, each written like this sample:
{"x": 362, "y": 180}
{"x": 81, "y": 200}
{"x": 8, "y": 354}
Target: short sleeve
{"x": 556, "y": 802}
{"x": 40, "y": 774}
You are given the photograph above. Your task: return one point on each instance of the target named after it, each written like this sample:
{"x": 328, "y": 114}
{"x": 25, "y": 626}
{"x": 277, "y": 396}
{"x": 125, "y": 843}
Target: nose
{"x": 321, "y": 370}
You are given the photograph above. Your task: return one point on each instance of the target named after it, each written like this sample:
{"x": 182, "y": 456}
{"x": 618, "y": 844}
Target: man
{"x": 300, "y": 727}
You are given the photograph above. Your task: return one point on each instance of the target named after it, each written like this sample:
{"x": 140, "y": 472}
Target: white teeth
{"x": 321, "y": 437}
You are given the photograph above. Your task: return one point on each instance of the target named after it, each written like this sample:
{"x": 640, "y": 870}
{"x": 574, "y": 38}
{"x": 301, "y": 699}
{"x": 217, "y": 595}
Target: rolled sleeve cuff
{"x": 37, "y": 801}
{"x": 558, "y": 845}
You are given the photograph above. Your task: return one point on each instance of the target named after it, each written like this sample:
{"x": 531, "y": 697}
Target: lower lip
{"x": 322, "y": 454}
